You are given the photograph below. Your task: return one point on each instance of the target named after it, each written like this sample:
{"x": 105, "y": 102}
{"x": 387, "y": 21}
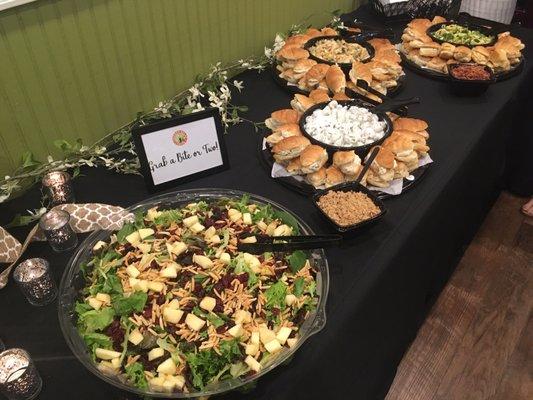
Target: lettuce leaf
{"x": 129, "y": 305}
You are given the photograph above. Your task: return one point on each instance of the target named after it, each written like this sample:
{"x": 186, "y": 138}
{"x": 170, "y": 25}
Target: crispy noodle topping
{"x": 170, "y": 304}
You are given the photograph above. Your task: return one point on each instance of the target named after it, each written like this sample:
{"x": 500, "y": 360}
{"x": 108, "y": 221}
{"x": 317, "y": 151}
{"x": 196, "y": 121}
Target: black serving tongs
{"x": 289, "y": 243}
{"x": 394, "y": 104}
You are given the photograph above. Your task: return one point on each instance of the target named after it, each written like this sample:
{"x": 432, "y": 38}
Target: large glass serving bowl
{"x": 72, "y": 282}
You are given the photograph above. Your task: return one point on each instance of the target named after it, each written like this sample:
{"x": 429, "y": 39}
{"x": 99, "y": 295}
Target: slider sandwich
{"x": 313, "y": 158}
{"x": 404, "y": 151}
{"x": 317, "y": 178}
{"x": 313, "y": 32}
{"x": 437, "y": 64}
{"x": 289, "y": 55}
{"x": 281, "y": 117}
{"x": 302, "y": 66}
{"x": 289, "y": 148}
{"x": 415, "y": 56}
{"x": 301, "y": 103}
{"x": 419, "y": 142}
{"x": 447, "y": 51}
{"x": 282, "y": 132}
{"x": 347, "y": 161}
{"x": 401, "y": 171}
{"x": 430, "y": 49}
{"x": 360, "y": 71}
{"x": 319, "y": 96}
{"x": 334, "y": 176}
{"x": 498, "y": 60}
{"x": 462, "y": 54}
{"x": 381, "y": 171}
{"x": 313, "y": 77}
{"x": 380, "y": 44}
{"x": 480, "y": 55}
{"x": 335, "y": 79}
{"x": 294, "y": 167}
{"x": 297, "y": 40}
{"x": 412, "y": 124}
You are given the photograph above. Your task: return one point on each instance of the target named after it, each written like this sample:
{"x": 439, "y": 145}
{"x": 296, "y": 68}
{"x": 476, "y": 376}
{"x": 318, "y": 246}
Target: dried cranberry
{"x": 230, "y": 324}
{"x": 154, "y": 264}
{"x": 185, "y": 259}
{"x": 147, "y": 313}
{"x": 160, "y": 235}
{"x": 221, "y": 329}
{"x": 300, "y": 317}
{"x": 275, "y": 311}
{"x": 243, "y": 278}
{"x": 188, "y": 307}
{"x": 198, "y": 291}
{"x": 219, "y": 307}
{"x": 209, "y": 222}
{"x": 147, "y": 364}
{"x": 116, "y": 333}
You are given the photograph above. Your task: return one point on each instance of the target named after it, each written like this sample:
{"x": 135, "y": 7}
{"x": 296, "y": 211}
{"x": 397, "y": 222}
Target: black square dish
{"x": 347, "y": 187}
{"x": 467, "y": 87}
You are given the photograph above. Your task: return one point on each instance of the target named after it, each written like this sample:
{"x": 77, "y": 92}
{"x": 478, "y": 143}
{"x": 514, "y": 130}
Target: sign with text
{"x": 181, "y": 149}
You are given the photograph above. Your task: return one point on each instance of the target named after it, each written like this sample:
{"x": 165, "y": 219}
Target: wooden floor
{"x": 477, "y": 342}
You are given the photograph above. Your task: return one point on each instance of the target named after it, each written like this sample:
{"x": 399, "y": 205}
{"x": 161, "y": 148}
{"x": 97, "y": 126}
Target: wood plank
{"x": 502, "y": 223}
{"x": 517, "y": 383}
{"x": 475, "y": 325}
{"x": 419, "y": 374}
{"x": 479, "y": 363}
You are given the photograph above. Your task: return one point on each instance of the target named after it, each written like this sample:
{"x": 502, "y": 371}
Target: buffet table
{"x": 383, "y": 280}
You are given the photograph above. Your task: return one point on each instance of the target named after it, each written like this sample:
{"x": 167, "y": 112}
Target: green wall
{"x": 81, "y": 68}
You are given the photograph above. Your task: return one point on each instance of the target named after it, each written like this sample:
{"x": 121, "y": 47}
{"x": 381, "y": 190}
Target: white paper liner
{"x": 396, "y": 185}
{"x": 395, "y": 188}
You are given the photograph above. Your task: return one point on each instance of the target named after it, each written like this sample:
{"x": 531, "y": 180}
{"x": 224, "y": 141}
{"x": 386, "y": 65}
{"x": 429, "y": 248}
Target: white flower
{"x": 269, "y": 53}
{"x": 50, "y": 159}
{"x": 195, "y": 92}
{"x": 7, "y": 177}
{"x": 84, "y": 148}
{"x": 190, "y": 102}
{"x": 4, "y": 197}
{"x": 199, "y": 107}
{"x": 238, "y": 85}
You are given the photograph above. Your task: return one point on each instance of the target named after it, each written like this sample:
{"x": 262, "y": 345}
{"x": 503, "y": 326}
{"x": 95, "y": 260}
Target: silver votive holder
{"x": 19, "y": 379}
{"x": 56, "y": 227}
{"x": 35, "y": 281}
{"x": 58, "y": 185}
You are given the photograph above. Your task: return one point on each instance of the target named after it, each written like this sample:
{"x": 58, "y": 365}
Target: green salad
{"x": 457, "y": 34}
{"x": 171, "y": 304}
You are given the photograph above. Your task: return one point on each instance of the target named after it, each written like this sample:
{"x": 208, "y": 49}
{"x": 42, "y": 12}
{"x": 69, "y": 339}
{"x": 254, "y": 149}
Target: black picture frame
{"x": 138, "y": 131}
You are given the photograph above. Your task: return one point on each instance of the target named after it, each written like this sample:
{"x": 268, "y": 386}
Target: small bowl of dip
{"x": 470, "y": 79}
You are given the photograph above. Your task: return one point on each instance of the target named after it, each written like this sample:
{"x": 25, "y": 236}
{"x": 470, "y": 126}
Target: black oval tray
{"x": 498, "y": 77}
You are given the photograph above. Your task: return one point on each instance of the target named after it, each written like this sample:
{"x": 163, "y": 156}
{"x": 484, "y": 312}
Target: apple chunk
{"x": 106, "y": 354}
{"x": 167, "y": 367}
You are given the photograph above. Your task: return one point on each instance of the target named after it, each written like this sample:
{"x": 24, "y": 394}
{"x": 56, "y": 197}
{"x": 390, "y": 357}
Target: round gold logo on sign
{"x": 179, "y": 138}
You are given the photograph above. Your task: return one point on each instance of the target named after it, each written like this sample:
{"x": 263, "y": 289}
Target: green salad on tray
{"x": 457, "y": 34}
{"x": 170, "y": 304}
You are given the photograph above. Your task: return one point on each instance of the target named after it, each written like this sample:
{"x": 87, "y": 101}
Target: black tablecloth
{"x": 383, "y": 281}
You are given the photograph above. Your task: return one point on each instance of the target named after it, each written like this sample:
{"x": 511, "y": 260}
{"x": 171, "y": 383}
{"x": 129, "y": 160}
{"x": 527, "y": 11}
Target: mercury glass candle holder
{"x": 35, "y": 281}
{"x": 19, "y": 379}
{"x": 58, "y": 232}
{"x": 59, "y": 187}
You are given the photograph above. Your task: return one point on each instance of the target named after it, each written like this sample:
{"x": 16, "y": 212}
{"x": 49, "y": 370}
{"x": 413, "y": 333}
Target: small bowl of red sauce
{"x": 470, "y": 79}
